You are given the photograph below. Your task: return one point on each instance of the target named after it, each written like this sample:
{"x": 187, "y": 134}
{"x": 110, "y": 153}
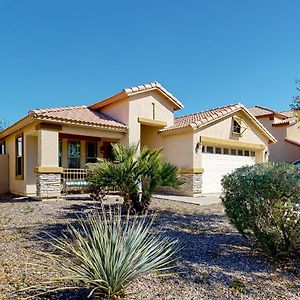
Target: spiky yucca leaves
{"x": 130, "y": 171}
{"x": 108, "y": 251}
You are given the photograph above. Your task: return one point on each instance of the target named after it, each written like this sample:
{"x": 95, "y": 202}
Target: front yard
{"x": 215, "y": 261}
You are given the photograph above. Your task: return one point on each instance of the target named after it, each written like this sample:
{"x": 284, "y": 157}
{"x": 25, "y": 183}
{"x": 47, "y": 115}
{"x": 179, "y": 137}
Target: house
{"x": 48, "y": 146}
{"x": 284, "y": 126}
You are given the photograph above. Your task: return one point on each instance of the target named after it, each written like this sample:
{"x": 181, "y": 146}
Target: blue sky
{"x": 207, "y": 53}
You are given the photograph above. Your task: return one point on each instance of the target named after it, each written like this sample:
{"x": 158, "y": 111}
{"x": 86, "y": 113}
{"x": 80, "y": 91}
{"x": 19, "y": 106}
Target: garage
{"x": 217, "y": 162}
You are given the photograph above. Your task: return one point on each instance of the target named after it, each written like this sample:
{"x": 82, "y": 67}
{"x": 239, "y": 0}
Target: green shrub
{"x": 109, "y": 251}
{"x": 262, "y": 202}
{"x": 135, "y": 174}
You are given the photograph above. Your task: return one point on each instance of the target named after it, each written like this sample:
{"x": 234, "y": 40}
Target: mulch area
{"x": 215, "y": 262}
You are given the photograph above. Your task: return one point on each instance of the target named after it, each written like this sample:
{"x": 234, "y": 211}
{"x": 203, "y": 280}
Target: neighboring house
{"x": 284, "y": 126}
{"x": 49, "y": 146}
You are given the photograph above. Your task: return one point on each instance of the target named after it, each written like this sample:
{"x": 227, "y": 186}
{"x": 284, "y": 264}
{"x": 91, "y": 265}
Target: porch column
{"x": 48, "y": 170}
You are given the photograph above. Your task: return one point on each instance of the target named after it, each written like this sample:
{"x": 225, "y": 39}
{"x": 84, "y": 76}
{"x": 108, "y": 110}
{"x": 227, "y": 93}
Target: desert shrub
{"x": 262, "y": 202}
{"x": 107, "y": 251}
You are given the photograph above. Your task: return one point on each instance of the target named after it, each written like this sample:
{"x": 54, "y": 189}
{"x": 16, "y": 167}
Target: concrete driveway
{"x": 207, "y": 199}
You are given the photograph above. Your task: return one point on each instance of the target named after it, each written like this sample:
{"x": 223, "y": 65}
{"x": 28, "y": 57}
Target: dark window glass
{"x": 203, "y": 148}
{"x": 252, "y": 153}
{"x": 233, "y": 151}
{"x": 247, "y": 153}
{"x": 2, "y": 148}
{"x": 74, "y": 154}
{"x": 60, "y": 153}
{"x": 19, "y": 156}
{"x": 225, "y": 151}
{"x": 209, "y": 149}
{"x": 236, "y": 127}
{"x": 240, "y": 152}
{"x": 219, "y": 150}
{"x": 91, "y": 152}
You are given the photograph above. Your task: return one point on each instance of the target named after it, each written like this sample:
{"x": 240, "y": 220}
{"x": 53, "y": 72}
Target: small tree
{"x": 135, "y": 176}
{"x": 4, "y": 124}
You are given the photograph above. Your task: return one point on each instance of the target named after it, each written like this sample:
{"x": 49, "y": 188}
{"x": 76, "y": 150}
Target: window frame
{"x": 2, "y": 147}
{"x": 17, "y": 175}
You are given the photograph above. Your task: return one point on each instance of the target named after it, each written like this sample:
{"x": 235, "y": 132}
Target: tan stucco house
{"x": 284, "y": 126}
{"x": 51, "y": 145}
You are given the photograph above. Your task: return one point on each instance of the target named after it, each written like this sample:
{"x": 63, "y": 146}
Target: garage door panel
{"x": 216, "y": 166}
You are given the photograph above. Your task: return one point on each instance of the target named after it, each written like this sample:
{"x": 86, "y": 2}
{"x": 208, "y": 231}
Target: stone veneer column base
{"x": 48, "y": 185}
{"x": 191, "y": 186}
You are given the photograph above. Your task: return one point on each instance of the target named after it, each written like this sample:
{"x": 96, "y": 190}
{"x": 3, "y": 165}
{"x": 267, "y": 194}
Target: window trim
{"x": 3, "y": 143}
{"x": 21, "y": 176}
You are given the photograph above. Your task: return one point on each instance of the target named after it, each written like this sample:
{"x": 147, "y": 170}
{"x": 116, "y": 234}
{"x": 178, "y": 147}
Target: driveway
{"x": 204, "y": 200}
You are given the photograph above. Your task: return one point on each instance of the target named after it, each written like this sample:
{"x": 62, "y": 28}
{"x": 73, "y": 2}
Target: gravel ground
{"x": 215, "y": 261}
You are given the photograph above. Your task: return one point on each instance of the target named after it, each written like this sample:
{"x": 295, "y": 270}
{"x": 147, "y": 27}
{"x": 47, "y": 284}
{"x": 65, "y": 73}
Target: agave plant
{"x": 108, "y": 251}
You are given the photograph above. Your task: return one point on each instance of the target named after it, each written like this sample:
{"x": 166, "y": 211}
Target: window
{"x": 91, "y": 152}
{"x": 203, "y": 149}
{"x": 218, "y": 150}
{"x": 247, "y": 153}
{"x": 60, "y": 153}
{"x": 19, "y": 157}
{"x": 233, "y": 151}
{"x": 2, "y": 148}
{"x": 209, "y": 149}
{"x": 226, "y": 151}
{"x": 240, "y": 152}
{"x": 153, "y": 111}
{"x": 236, "y": 127}
{"x": 252, "y": 153}
{"x": 74, "y": 154}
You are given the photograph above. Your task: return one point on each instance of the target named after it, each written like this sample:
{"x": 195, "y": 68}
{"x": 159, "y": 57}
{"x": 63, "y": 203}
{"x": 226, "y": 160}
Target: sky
{"x": 208, "y": 53}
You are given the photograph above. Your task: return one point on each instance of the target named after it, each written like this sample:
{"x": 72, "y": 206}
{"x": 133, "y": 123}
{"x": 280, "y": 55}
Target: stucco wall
{"x": 130, "y": 109}
{"x": 18, "y": 186}
{"x": 223, "y": 130}
{"x": 282, "y": 150}
{"x": 4, "y": 174}
{"x": 179, "y": 150}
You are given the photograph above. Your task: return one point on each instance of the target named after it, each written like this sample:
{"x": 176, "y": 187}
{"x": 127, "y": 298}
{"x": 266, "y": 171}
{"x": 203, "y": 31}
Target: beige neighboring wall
{"x": 282, "y": 150}
{"x": 4, "y": 184}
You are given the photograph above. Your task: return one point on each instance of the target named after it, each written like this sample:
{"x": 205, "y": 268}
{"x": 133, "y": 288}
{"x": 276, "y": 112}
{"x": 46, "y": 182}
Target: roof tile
{"x": 77, "y": 114}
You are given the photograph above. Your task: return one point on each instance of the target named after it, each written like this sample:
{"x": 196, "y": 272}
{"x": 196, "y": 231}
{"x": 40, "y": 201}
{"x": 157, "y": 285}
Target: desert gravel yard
{"x": 215, "y": 262}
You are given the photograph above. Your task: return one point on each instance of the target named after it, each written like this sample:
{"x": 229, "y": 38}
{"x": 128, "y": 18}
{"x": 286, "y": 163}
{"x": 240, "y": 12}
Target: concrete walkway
{"x": 204, "y": 200}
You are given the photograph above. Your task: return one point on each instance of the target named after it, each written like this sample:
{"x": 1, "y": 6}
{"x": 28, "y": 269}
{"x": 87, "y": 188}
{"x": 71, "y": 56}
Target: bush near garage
{"x": 263, "y": 203}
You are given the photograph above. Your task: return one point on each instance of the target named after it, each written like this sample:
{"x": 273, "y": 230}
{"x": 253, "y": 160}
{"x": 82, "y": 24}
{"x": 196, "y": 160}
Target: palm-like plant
{"x": 135, "y": 176}
{"x": 109, "y": 251}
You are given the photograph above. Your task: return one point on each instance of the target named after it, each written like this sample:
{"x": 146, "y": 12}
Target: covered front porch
{"x": 62, "y": 154}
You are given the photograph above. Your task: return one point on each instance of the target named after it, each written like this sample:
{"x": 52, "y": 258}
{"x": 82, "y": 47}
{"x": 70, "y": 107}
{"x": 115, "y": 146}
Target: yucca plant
{"x": 107, "y": 251}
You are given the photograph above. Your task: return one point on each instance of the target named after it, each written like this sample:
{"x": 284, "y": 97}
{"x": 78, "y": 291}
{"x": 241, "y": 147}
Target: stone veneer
{"x": 48, "y": 185}
{"x": 191, "y": 185}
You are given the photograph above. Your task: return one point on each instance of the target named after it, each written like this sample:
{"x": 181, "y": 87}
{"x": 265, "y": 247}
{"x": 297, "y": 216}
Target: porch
{"x": 61, "y": 157}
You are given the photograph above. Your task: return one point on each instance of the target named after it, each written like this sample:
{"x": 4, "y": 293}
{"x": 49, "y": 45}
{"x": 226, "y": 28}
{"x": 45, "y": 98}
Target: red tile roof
{"x": 77, "y": 115}
{"x": 291, "y": 141}
{"x": 198, "y": 119}
{"x": 259, "y": 111}
{"x": 135, "y": 89}
{"x": 289, "y": 121}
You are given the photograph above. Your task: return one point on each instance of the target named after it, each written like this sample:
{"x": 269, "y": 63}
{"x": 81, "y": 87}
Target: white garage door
{"x": 217, "y": 165}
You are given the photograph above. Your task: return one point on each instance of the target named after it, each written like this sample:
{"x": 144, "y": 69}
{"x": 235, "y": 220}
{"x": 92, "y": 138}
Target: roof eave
{"x": 16, "y": 126}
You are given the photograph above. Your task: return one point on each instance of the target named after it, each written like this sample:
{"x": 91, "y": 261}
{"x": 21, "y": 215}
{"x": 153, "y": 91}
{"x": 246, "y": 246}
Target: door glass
{"x": 91, "y": 152}
{"x": 74, "y": 154}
